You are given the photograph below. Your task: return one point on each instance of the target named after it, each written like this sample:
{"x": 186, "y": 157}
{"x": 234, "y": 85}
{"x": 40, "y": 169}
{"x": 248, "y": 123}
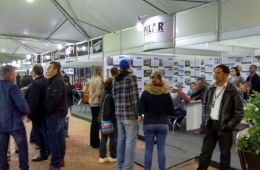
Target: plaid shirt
{"x": 126, "y": 97}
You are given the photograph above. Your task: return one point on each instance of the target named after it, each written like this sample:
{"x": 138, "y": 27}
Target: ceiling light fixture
{"x": 139, "y": 24}
{"x": 28, "y": 56}
{"x": 59, "y": 46}
{"x": 29, "y": 0}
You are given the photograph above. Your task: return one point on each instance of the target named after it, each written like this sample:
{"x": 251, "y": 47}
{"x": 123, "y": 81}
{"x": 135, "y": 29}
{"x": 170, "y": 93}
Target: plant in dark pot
{"x": 249, "y": 145}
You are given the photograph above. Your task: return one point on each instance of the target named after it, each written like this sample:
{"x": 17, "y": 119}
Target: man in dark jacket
{"x": 254, "y": 79}
{"x": 201, "y": 90}
{"x": 56, "y": 110}
{"x": 13, "y": 108}
{"x": 37, "y": 116}
{"x": 222, "y": 111}
{"x": 64, "y": 75}
{"x": 23, "y": 80}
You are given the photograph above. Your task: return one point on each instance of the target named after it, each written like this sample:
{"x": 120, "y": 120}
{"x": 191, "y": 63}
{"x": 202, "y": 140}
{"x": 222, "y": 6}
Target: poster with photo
{"x": 168, "y": 62}
{"x": 256, "y": 59}
{"x": 209, "y": 68}
{"x": 109, "y": 61}
{"x": 147, "y": 62}
{"x": 231, "y": 59}
{"x": 245, "y": 66}
{"x": 187, "y": 72}
{"x": 248, "y": 59}
{"x": 148, "y": 72}
{"x": 156, "y": 62}
{"x": 181, "y": 72}
{"x": 187, "y": 81}
{"x": 180, "y": 67}
{"x": 209, "y": 61}
{"x": 175, "y": 63}
{"x": 176, "y": 73}
{"x": 137, "y": 60}
{"x": 36, "y": 59}
{"x": 225, "y": 60}
{"x": 140, "y": 82}
{"x": 137, "y": 70}
{"x": 209, "y": 76}
{"x": 239, "y": 59}
{"x": 162, "y": 71}
{"x": 182, "y": 62}
{"x": 169, "y": 72}
{"x": 160, "y": 62}
{"x": 202, "y": 69}
{"x": 117, "y": 59}
{"x": 187, "y": 63}
{"x": 48, "y": 57}
{"x": 69, "y": 50}
{"x": 175, "y": 79}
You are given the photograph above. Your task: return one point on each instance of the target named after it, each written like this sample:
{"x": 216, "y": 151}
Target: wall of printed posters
{"x": 143, "y": 66}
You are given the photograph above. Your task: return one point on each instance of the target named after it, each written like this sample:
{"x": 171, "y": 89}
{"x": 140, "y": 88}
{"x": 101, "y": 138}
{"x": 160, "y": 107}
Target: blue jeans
{"x": 57, "y": 143}
{"x": 39, "y": 133}
{"x": 126, "y": 143}
{"x": 21, "y": 140}
{"x": 150, "y": 132}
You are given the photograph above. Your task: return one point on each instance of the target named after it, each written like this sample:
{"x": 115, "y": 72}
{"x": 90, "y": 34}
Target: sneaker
{"x": 111, "y": 159}
{"x": 103, "y": 160}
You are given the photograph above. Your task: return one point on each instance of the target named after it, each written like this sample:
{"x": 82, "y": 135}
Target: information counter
{"x": 194, "y": 114}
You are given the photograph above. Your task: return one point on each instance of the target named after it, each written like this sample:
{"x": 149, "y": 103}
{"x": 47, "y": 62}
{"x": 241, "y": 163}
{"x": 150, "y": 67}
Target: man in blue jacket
{"x": 13, "y": 109}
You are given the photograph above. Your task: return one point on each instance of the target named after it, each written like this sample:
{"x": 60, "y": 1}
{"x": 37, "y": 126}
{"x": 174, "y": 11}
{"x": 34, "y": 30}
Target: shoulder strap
{"x": 103, "y": 106}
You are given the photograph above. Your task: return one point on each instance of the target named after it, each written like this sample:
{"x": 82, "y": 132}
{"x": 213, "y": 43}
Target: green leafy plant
{"x": 251, "y": 142}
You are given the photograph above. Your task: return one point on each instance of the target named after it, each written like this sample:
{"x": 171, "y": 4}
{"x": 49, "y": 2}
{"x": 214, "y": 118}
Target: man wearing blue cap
{"x": 126, "y": 97}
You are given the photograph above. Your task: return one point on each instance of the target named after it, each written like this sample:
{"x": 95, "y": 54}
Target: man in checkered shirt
{"x": 126, "y": 97}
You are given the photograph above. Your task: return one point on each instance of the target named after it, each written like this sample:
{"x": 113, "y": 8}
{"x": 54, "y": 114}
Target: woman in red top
{"x": 77, "y": 85}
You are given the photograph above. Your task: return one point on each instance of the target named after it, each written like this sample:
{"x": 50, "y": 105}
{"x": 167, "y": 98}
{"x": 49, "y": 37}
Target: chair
{"x": 175, "y": 122}
{"x": 239, "y": 128}
{"x": 85, "y": 107}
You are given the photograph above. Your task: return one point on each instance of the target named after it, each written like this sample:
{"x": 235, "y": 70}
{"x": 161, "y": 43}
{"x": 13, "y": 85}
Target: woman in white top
{"x": 95, "y": 90}
{"x": 235, "y": 78}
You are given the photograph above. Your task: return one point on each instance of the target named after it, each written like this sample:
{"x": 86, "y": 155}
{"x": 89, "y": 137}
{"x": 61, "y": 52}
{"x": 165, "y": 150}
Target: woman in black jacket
{"x": 156, "y": 104}
{"x": 107, "y": 112}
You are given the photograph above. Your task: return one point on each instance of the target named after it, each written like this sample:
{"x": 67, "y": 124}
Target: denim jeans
{"x": 39, "y": 133}
{"x": 150, "y": 132}
{"x": 57, "y": 143}
{"x": 112, "y": 143}
{"x": 94, "y": 129}
{"x": 21, "y": 140}
{"x": 126, "y": 143}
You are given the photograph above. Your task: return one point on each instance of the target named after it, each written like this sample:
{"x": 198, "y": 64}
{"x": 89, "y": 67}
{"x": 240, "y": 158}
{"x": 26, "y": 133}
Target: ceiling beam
{"x": 71, "y": 20}
{"x": 155, "y": 7}
{"x": 55, "y": 30}
{"x": 92, "y": 25}
{"x": 16, "y": 48}
{"x": 36, "y": 39}
{"x": 28, "y": 48}
{"x": 203, "y": 2}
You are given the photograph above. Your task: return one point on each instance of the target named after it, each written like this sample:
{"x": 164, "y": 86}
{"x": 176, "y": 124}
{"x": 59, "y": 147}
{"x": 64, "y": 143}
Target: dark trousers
{"x": 112, "y": 143}
{"x": 56, "y": 135}
{"x": 94, "y": 129}
{"x": 21, "y": 140}
{"x": 40, "y": 135}
{"x": 209, "y": 143}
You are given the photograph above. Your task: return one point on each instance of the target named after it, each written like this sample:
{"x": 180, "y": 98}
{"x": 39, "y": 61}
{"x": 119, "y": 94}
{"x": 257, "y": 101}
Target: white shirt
{"x": 214, "y": 113}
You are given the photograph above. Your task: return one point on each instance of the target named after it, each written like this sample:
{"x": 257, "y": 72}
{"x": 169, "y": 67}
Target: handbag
{"x": 106, "y": 126}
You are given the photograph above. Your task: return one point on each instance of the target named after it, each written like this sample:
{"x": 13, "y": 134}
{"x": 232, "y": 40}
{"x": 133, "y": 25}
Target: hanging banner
{"x": 158, "y": 32}
{"x": 69, "y": 50}
{"x": 82, "y": 49}
{"x": 96, "y": 46}
{"x": 46, "y": 57}
{"x": 36, "y": 59}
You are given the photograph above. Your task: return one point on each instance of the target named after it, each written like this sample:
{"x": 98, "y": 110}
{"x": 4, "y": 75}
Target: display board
{"x": 143, "y": 66}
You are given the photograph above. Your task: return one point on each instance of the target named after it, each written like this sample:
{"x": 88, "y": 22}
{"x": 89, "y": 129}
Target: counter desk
{"x": 194, "y": 114}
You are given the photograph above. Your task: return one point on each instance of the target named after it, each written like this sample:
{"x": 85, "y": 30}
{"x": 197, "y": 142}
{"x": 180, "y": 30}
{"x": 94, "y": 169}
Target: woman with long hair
{"x": 156, "y": 104}
{"x": 95, "y": 91}
{"x": 235, "y": 78}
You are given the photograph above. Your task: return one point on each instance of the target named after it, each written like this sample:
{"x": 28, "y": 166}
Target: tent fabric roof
{"x": 41, "y": 24}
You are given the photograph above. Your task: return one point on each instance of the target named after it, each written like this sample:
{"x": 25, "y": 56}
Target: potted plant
{"x": 249, "y": 145}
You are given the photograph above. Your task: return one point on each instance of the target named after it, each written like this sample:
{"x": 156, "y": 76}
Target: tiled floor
{"x": 79, "y": 155}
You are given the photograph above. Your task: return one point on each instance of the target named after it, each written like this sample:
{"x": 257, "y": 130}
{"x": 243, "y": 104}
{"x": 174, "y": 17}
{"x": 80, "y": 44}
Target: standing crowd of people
{"x": 117, "y": 110}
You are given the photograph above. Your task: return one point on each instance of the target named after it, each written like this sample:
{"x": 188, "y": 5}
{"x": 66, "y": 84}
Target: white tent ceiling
{"x": 39, "y": 26}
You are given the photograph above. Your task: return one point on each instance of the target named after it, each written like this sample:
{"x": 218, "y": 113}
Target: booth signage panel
{"x": 82, "y": 49}
{"x": 96, "y": 46}
{"x": 158, "y": 30}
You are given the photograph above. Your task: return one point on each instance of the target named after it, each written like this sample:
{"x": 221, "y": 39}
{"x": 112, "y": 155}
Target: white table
{"x": 194, "y": 114}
